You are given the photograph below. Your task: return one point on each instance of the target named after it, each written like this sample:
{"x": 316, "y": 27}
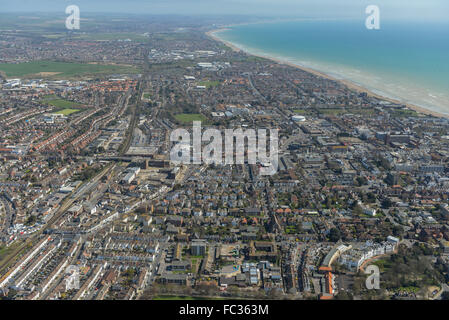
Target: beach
{"x": 348, "y": 83}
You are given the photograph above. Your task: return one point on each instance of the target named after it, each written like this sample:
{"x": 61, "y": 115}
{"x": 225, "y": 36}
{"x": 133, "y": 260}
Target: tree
{"x": 362, "y": 181}
{"x": 358, "y": 210}
{"x": 334, "y": 235}
{"x": 386, "y": 203}
{"x": 398, "y": 231}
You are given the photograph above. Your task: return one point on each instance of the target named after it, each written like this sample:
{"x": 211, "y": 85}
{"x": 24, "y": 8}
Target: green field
{"x": 190, "y": 117}
{"x": 112, "y": 37}
{"x": 45, "y": 69}
{"x": 156, "y": 67}
{"x": 63, "y": 106}
{"x": 61, "y": 103}
{"x": 4, "y": 251}
{"x": 209, "y": 84}
{"x": 67, "y": 112}
{"x": 28, "y": 22}
{"x": 332, "y": 111}
{"x": 174, "y": 36}
{"x": 402, "y": 113}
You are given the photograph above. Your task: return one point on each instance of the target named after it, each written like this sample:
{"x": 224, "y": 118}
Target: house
{"x": 172, "y": 229}
{"x": 198, "y": 247}
{"x": 89, "y": 208}
{"x": 179, "y": 279}
{"x": 179, "y": 266}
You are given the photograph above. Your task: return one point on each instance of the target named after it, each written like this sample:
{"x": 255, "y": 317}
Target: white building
{"x": 299, "y": 118}
{"x": 354, "y": 259}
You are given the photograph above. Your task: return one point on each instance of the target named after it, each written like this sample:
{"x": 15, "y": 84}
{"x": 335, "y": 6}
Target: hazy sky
{"x": 393, "y": 9}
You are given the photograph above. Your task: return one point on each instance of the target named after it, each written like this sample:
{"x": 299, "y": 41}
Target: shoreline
{"x": 348, "y": 83}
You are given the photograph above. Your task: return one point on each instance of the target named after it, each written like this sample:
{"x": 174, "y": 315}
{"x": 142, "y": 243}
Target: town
{"x": 87, "y": 181}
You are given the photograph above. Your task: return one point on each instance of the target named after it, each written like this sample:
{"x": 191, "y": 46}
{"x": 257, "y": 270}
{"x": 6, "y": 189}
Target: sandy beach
{"x": 348, "y": 83}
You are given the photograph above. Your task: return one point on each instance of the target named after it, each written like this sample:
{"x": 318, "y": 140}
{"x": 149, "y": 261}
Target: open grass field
{"x": 112, "y": 37}
{"x": 27, "y": 22}
{"x": 209, "y": 84}
{"x": 174, "y": 36}
{"x": 332, "y": 111}
{"x": 404, "y": 113}
{"x": 61, "y": 104}
{"x": 156, "y": 67}
{"x": 190, "y": 117}
{"x": 8, "y": 253}
{"x": 4, "y": 251}
{"x": 67, "y": 112}
{"x": 53, "y": 23}
{"x": 45, "y": 69}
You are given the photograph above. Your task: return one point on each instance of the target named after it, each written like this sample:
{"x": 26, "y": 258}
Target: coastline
{"x": 348, "y": 83}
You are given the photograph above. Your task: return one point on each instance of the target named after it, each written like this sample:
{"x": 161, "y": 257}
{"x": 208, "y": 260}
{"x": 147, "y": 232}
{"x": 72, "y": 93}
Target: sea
{"x": 403, "y": 60}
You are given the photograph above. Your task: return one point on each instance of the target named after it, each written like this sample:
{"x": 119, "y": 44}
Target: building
{"x": 198, "y": 247}
{"x": 129, "y": 177}
{"x": 299, "y": 118}
{"x": 180, "y": 279}
{"x": 353, "y": 259}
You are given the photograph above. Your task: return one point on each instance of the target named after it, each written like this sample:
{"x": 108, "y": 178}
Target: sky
{"x": 422, "y": 10}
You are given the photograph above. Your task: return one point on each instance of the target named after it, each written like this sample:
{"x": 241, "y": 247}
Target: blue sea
{"x": 408, "y": 61}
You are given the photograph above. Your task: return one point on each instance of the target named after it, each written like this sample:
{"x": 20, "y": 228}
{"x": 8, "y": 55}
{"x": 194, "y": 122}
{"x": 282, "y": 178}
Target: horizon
{"x": 416, "y": 10}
